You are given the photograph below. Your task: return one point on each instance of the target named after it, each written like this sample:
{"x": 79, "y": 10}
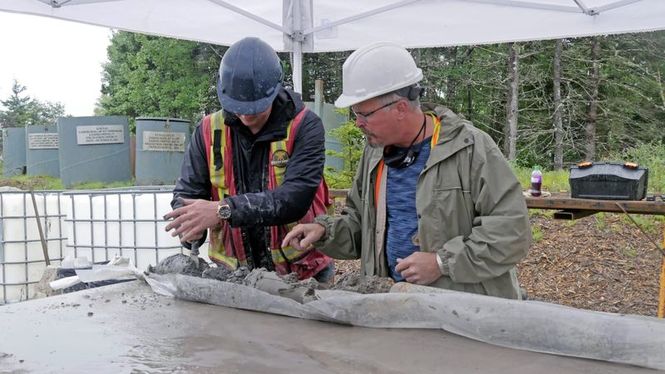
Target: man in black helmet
{"x": 253, "y": 169}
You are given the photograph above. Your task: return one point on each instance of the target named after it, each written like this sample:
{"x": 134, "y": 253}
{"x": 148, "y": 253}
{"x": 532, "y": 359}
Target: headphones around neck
{"x": 411, "y": 92}
{"x": 399, "y": 158}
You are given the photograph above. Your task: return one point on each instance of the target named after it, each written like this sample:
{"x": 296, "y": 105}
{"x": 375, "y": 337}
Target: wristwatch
{"x": 224, "y": 210}
{"x": 439, "y": 261}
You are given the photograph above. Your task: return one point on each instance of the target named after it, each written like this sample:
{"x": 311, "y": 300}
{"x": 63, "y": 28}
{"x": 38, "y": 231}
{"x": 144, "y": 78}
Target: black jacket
{"x": 255, "y": 206}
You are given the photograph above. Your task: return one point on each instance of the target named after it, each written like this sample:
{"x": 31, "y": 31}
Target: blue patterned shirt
{"x": 401, "y": 212}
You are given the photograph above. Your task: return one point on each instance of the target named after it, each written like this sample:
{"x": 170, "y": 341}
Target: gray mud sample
{"x": 221, "y": 273}
{"x": 356, "y": 282}
{"x": 179, "y": 264}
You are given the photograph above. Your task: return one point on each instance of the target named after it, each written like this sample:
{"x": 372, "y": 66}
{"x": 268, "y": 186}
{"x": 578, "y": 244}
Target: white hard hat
{"x": 374, "y": 70}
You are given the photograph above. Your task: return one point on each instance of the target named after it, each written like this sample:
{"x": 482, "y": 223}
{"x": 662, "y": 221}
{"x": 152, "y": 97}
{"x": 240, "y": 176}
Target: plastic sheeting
{"x": 527, "y": 325}
{"x": 119, "y": 268}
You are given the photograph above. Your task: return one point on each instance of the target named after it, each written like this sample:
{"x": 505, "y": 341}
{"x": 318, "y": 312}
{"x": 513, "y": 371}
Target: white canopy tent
{"x": 309, "y": 26}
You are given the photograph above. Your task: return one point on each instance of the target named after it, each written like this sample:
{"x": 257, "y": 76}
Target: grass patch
{"x": 544, "y": 213}
{"x": 44, "y": 183}
{"x": 553, "y": 181}
{"x": 651, "y": 156}
{"x": 27, "y": 183}
{"x": 650, "y": 224}
{"x": 536, "y": 233}
{"x": 629, "y": 252}
{"x": 571, "y": 223}
{"x": 101, "y": 185}
{"x": 600, "y": 221}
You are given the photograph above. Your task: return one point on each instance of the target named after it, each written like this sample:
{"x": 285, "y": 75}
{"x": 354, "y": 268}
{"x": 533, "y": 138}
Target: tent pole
{"x": 297, "y": 66}
{"x": 297, "y": 38}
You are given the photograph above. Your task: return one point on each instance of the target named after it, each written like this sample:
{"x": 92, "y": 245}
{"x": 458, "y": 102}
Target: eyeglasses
{"x": 365, "y": 116}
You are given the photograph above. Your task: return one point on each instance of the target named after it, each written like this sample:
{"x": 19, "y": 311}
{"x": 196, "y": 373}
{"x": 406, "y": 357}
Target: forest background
{"x": 547, "y": 103}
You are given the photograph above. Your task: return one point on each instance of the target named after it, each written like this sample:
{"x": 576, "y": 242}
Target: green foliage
{"x": 323, "y": 66}
{"x": 545, "y": 213}
{"x": 650, "y": 224}
{"x": 101, "y": 185}
{"x": 22, "y": 110}
{"x": 152, "y": 76}
{"x": 651, "y": 156}
{"x": 629, "y": 251}
{"x": 25, "y": 182}
{"x": 149, "y": 76}
{"x": 45, "y": 183}
{"x": 523, "y": 175}
{"x": 471, "y": 81}
{"x": 352, "y": 142}
{"x": 553, "y": 181}
{"x": 600, "y": 221}
{"x": 571, "y": 223}
{"x": 633, "y": 107}
{"x": 557, "y": 181}
{"x": 536, "y": 233}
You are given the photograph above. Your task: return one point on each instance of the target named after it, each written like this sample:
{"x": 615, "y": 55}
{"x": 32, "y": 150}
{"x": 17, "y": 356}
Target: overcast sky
{"x": 58, "y": 61}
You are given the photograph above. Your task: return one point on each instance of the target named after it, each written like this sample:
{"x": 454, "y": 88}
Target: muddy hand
{"x": 192, "y": 219}
{"x": 302, "y": 236}
{"x": 419, "y": 268}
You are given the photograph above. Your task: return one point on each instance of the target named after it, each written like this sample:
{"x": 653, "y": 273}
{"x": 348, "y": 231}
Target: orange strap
{"x": 379, "y": 172}
{"x": 377, "y": 186}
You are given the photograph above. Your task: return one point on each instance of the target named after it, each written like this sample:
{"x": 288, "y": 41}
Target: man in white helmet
{"x": 433, "y": 202}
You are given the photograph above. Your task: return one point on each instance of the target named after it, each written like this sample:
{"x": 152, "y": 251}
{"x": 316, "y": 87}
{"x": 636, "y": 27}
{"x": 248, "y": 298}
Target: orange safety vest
{"x": 226, "y": 247}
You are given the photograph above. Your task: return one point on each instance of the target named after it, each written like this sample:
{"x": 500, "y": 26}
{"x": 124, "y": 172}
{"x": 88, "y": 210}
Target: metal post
{"x": 661, "y": 295}
{"x": 318, "y": 97}
{"x": 297, "y": 66}
{"x": 39, "y": 229}
{"x": 297, "y": 38}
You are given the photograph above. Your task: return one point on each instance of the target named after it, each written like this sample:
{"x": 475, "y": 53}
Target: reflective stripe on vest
{"x": 226, "y": 244}
{"x": 280, "y": 151}
{"x": 220, "y": 156}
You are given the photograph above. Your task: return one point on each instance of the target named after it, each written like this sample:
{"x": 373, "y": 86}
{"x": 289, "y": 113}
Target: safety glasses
{"x": 365, "y": 116}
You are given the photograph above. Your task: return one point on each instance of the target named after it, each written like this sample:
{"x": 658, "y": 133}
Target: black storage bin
{"x": 608, "y": 181}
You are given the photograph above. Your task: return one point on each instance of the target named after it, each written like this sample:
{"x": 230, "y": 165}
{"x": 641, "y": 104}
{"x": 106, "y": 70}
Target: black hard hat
{"x": 250, "y": 76}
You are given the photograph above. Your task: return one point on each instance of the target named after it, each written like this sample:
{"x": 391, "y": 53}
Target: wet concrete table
{"x": 127, "y": 328}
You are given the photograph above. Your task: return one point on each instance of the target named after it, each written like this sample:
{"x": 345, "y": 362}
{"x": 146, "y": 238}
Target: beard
{"x": 370, "y": 139}
{"x": 373, "y": 144}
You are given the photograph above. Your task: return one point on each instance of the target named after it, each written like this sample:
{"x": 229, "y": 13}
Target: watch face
{"x": 224, "y": 211}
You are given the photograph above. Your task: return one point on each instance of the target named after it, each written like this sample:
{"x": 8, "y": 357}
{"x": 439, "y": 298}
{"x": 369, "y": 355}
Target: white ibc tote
{"x": 123, "y": 222}
{"x": 97, "y": 225}
{"x": 22, "y": 261}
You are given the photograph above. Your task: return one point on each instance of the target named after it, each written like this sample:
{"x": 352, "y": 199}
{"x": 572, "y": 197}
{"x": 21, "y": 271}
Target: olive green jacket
{"x": 470, "y": 210}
